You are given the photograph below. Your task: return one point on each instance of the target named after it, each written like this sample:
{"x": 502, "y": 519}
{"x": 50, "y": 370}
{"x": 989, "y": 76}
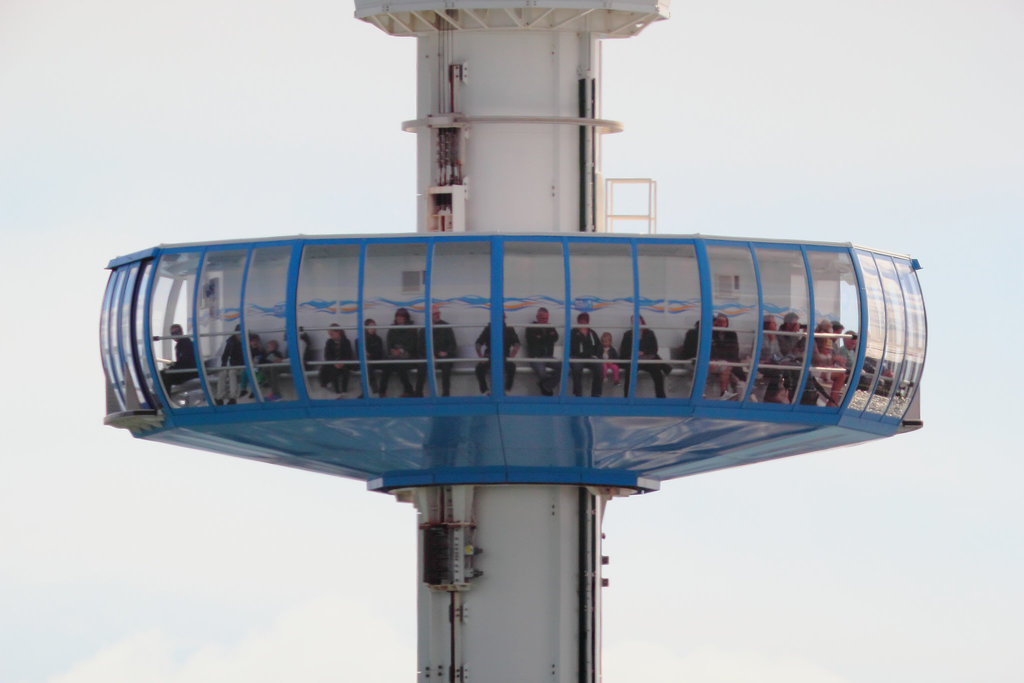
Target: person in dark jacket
{"x": 337, "y": 348}
{"x": 510, "y": 342}
{"x": 443, "y": 338}
{"x": 540, "y": 343}
{"x": 184, "y": 366}
{"x": 232, "y": 360}
{"x": 647, "y": 350}
{"x": 725, "y": 347}
{"x": 401, "y": 345}
{"x": 584, "y": 345}
{"x": 374, "y": 352}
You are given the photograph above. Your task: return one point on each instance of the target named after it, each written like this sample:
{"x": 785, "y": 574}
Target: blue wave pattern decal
{"x": 275, "y": 311}
{"x": 329, "y": 307}
{"x": 536, "y": 300}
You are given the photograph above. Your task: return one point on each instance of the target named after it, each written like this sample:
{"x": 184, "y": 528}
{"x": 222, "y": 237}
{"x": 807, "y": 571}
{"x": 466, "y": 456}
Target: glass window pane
{"x": 135, "y": 397}
{"x": 328, "y": 319}
{"x": 837, "y": 312}
{"x": 393, "y": 297}
{"x": 171, "y": 324}
{"x": 895, "y": 337}
{"x": 140, "y": 326}
{"x": 219, "y": 312}
{"x": 915, "y": 341}
{"x": 874, "y": 340}
{"x": 734, "y": 306}
{"x": 669, "y": 319}
{"x": 534, "y": 281}
{"x": 266, "y": 293}
{"x": 601, "y": 292}
{"x": 113, "y": 336}
{"x": 784, "y": 302}
{"x": 460, "y": 295}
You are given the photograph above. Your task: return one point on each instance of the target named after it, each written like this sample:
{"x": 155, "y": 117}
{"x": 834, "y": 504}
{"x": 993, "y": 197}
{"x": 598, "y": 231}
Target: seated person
{"x": 374, "y": 352}
{"x": 609, "y": 370}
{"x": 445, "y": 347}
{"x": 647, "y": 349}
{"x": 337, "y": 348}
{"x": 271, "y": 356}
{"x": 725, "y": 347}
{"x": 584, "y": 345}
{"x": 232, "y": 360}
{"x": 771, "y": 354}
{"x": 184, "y": 366}
{"x": 510, "y": 344}
{"x": 540, "y": 343}
{"x": 401, "y": 345}
{"x": 821, "y": 384}
{"x": 792, "y": 344}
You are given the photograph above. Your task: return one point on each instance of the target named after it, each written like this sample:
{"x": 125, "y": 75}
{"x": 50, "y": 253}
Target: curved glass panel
{"x": 145, "y": 276}
{"x": 734, "y": 306}
{"x": 113, "y": 336}
{"x": 834, "y": 349}
{"x": 328, "y": 320}
{"x": 219, "y": 313}
{"x": 114, "y": 400}
{"x": 784, "y": 305}
{"x": 394, "y": 297}
{"x": 669, "y": 305}
{"x": 895, "y": 335}
{"x": 874, "y": 340}
{"x": 170, "y": 322}
{"x": 916, "y": 340}
{"x": 534, "y": 304}
{"x": 601, "y": 337}
{"x": 135, "y": 394}
{"x": 266, "y": 293}
{"x": 460, "y": 296}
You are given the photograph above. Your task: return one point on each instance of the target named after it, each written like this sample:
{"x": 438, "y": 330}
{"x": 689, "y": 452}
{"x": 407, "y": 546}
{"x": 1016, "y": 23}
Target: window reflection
{"x": 734, "y": 302}
{"x": 328, "y": 319}
{"x": 534, "y": 281}
{"x": 171, "y": 322}
{"x": 601, "y": 291}
{"x": 669, "y": 305}
{"x": 895, "y": 339}
{"x": 915, "y": 341}
{"x": 460, "y": 295}
{"x": 219, "y": 314}
{"x": 266, "y": 289}
{"x": 784, "y": 304}
{"x": 394, "y": 300}
{"x": 135, "y": 396}
{"x": 837, "y": 312}
{"x": 874, "y": 340}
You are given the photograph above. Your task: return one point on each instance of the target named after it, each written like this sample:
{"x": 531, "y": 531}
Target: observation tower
{"x": 625, "y": 360}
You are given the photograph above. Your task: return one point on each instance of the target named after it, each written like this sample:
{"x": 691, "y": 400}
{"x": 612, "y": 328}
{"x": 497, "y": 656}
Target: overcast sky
{"x": 129, "y": 123}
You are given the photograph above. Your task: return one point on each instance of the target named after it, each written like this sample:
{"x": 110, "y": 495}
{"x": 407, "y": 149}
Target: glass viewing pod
{"x": 624, "y": 358}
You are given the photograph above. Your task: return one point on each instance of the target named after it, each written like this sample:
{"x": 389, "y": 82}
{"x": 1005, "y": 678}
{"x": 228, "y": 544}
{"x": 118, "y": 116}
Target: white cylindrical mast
{"x": 508, "y": 108}
{"x": 509, "y": 582}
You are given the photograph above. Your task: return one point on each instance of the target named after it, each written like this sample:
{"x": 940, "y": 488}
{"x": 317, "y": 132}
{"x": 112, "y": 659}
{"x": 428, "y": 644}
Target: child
{"x": 608, "y": 354}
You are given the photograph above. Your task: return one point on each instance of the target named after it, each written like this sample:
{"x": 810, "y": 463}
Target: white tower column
{"x": 509, "y": 582}
{"x": 506, "y": 127}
